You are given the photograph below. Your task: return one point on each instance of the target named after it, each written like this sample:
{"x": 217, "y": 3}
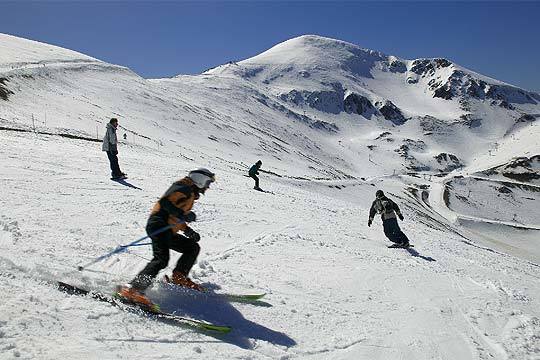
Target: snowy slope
{"x": 468, "y": 290}
{"x": 336, "y": 291}
{"x": 17, "y": 52}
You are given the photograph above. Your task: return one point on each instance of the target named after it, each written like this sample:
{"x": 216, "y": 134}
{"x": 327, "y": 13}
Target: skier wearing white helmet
{"x": 171, "y": 214}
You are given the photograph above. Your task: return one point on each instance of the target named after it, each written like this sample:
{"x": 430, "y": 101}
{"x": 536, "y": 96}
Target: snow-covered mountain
{"x": 324, "y": 99}
{"x": 332, "y": 122}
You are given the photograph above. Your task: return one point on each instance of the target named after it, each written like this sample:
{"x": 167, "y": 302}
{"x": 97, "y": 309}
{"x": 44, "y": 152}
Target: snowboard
{"x": 395, "y": 246}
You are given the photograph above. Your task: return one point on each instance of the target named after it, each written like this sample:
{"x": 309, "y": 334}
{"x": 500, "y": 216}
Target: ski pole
{"x": 121, "y": 248}
{"x": 143, "y": 244}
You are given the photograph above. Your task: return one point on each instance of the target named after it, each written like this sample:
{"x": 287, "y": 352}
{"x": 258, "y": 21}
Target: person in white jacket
{"x": 110, "y": 146}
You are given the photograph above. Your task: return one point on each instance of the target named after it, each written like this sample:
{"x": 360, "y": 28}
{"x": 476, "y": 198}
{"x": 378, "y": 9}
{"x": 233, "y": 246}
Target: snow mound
{"x": 16, "y": 51}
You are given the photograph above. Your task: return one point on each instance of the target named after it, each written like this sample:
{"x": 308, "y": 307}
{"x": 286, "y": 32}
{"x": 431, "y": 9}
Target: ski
{"x": 399, "y": 246}
{"x": 265, "y": 191}
{"x": 247, "y": 298}
{"x": 243, "y": 298}
{"x": 138, "y": 308}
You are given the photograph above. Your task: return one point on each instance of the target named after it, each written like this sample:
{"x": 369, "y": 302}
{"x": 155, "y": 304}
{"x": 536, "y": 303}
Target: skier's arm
{"x": 169, "y": 207}
{"x": 106, "y": 137}
{"x": 112, "y": 139}
{"x": 396, "y": 209}
{"x": 372, "y": 211}
{"x": 172, "y": 203}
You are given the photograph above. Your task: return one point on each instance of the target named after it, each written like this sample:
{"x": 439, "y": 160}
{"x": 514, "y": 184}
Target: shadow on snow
{"x": 125, "y": 183}
{"x": 213, "y": 308}
{"x": 415, "y": 253}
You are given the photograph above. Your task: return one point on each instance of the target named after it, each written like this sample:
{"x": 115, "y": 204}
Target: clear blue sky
{"x": 161, "y": 39}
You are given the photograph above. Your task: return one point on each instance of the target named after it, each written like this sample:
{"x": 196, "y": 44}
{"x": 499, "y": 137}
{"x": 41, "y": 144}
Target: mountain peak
{"x": 312, "y": 49}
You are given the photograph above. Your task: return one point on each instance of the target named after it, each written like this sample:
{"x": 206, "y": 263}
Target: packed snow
{"x": 468, "y": 289}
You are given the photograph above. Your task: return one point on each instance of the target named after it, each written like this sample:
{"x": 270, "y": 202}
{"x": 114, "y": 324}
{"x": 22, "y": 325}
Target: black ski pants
{"x": 113, "y": 160}
{"x": 254, "y": 177}
{"x": 393, "y": 232}
{"x": 161, "y": 244}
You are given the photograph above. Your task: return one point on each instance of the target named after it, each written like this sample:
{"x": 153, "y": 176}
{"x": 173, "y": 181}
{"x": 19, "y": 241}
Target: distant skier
{"x": 171, "y": 214}
{"x": 388, "y": 210}
{"x": 110, "y": 145}
{"x": 253, "y": 172}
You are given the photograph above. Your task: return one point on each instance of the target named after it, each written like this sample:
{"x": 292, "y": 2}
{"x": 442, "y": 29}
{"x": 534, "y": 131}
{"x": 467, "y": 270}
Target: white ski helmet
{"x": 202, "y": 178}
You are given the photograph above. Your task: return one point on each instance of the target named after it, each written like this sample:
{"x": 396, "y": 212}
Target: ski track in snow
{"x": 335, "y": 290}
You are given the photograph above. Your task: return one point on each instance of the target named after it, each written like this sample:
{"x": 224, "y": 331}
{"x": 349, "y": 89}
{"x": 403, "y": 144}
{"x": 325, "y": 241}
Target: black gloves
{"x": 400, "y": 216}
{"x": 192, "y": 234}
{"x": 369, "y": 222}
{"x": 190, "y": 217}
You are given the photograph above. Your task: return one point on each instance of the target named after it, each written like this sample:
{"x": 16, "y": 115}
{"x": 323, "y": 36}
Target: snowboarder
{"x": 388, "y": 210}
{"x": 172, "y": 212}
{"x": 110, "y": 145}
{"x": 253, "y": 172}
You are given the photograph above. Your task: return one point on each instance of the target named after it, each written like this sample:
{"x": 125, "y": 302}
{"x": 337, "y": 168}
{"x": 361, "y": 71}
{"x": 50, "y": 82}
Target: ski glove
{"x": 192, "y": 234}
{"x": 369, "y": 222}
{"x": 400, "y": 217}
{"x": 190, "y": 217}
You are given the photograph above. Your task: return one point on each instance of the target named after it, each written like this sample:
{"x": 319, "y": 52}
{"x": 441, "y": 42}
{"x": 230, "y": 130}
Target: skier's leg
{"x": 398, "y": 236}
{"x": 115, "y": 168}
{"x": 403, "y": 239}
{"x": 160, "y": 249}
{"x": 390, "y": 226}
{"x": 189, "y": 249}
{"x": 111, "y": 156}
{"x": 116, "y": 171}
{"x": 256, "y": 181}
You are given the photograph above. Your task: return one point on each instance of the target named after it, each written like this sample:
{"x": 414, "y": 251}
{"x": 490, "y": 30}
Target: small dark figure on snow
{"x": 253, "y": 172}
{"x": 388, "y": 210}
{"x": 172, "y": 213}
{"x": 110, "y": 145}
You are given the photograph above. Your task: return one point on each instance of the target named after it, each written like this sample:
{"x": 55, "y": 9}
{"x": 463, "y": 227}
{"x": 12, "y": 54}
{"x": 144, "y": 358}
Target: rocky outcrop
{"x": 470, "y": 121}
{"x": 315, "y": 124}
{"x": 427, "y": 67}
{"x": 522, "y": 169}
{"x": 449, "y": 162}
{"x": 461, "y": 84}
{"x": 390, "y": 112}
{"x": 4, "y": 91}
{"x": 385, "y": 135}
{"x": 397, "y": 66}
{"x": 358, "y": 104}
{"x": 330, "y": 101}
{"x": 526, "y": 118}
{"x": 336, "y": 101}
{"x": 410, "y": 161}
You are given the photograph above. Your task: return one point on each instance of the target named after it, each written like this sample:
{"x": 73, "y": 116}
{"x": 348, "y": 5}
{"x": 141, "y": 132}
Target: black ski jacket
{"x": 384, "y": 206}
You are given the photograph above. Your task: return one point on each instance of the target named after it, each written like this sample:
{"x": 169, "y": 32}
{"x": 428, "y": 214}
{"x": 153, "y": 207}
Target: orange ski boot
{"x": 129, "y": 294}
{"x": 181, "y": 279}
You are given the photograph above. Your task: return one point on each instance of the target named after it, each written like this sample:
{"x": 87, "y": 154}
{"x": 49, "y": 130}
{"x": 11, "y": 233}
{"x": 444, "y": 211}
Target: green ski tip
{"x": 211, "y": 327}
{"x": 244, "y": 297}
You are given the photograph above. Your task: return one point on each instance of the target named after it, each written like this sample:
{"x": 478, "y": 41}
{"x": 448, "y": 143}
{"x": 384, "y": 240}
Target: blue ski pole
{"x": 122, "y": 248}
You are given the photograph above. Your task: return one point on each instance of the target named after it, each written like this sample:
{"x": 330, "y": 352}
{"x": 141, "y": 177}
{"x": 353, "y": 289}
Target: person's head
{"x": 379, "y": 194}
{"x": 258, "y": 163}
{"x": 202, "y": 178}
{"x": 114, "y": 122}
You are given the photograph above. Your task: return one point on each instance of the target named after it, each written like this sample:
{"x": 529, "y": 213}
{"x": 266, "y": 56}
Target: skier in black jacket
{"x": 253, "y": 172}
{"x": 388, "y": 210}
